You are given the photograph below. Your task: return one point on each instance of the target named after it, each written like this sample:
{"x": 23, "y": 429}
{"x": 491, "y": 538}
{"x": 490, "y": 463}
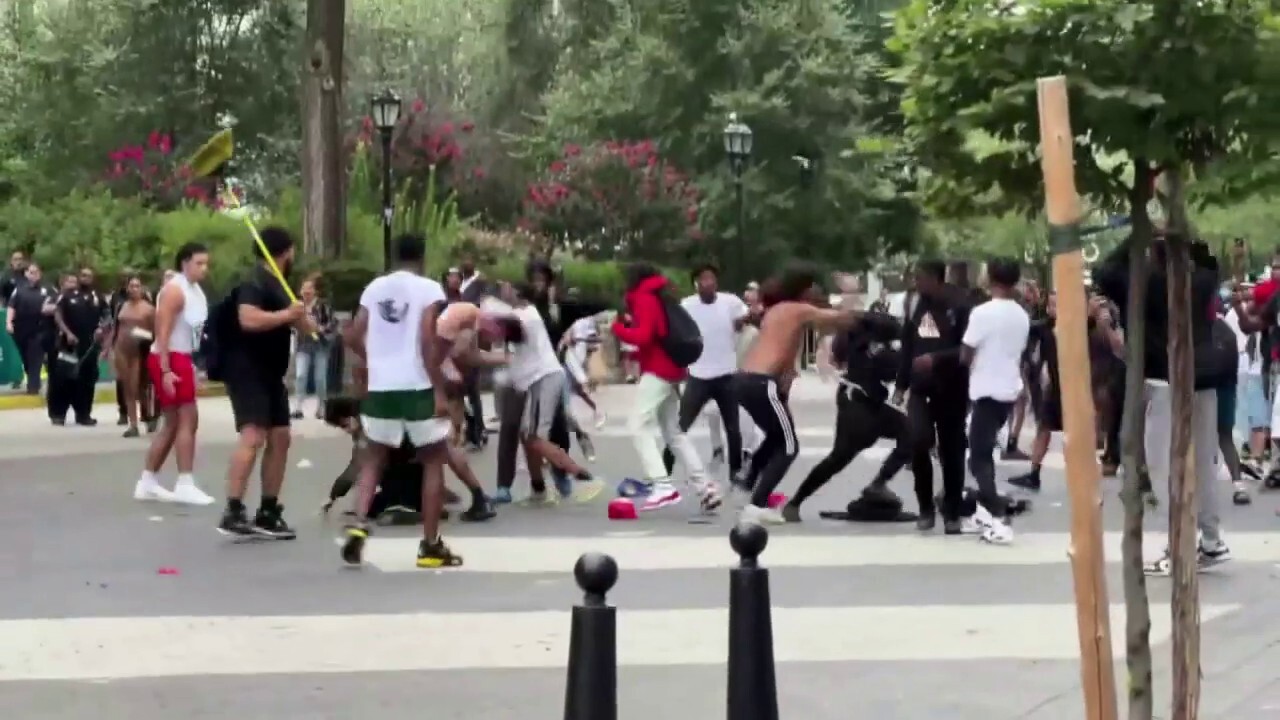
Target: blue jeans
{"x": 313, "y": 364}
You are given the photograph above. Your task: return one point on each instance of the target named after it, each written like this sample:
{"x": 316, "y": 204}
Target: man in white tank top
{"x": 181, "y": 312}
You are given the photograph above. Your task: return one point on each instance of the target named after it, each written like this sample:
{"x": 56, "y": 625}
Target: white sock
{"x": 149, "y": 478}
{"x": 185, "y": 479}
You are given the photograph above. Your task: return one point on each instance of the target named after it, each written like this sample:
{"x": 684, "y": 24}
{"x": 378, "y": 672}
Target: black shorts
{"x": 257, "y": 401}
{"x": 1049, "y": 416}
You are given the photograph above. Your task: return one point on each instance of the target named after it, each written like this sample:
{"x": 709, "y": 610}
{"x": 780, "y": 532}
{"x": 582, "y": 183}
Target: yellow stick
{"x": 234, "y": 203}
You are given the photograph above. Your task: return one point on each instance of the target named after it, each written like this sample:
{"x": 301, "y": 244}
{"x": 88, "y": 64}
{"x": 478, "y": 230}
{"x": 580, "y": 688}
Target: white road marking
{"x": 527, "y": 555}
{"x": 122, "y": 648}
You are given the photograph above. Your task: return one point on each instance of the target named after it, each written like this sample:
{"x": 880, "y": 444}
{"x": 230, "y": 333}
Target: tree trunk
{"x": 323, "y": 179}
{"x": 1137, "y": 605}
{"x": 1182, "y": 479}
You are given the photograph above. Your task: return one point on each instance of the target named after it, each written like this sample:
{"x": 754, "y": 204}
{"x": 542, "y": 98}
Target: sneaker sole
{"x": 242, "y": 538}
{"x": 659, "y": 504}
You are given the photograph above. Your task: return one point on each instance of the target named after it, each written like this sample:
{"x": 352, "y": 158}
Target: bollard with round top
{"x": 591, "y": 688}
{"x": 753, "y": 687}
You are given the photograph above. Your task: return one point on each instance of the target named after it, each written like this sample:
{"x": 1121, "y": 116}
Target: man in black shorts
{"x": 257, "y": 358}
{"x": 1042, "y": 354}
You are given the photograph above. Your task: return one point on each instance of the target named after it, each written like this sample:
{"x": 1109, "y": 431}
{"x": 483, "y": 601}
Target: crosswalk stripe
{"x": 528, "y": 555}
{"x": 123, "y": 648}
{"x": 1053, "y": 460}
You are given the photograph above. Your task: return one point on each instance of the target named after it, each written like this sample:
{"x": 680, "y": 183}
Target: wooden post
{"x": 1062, "y": 207}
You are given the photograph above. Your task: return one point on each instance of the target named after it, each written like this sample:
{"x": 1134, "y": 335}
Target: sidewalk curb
{"x": 102, "y": 396}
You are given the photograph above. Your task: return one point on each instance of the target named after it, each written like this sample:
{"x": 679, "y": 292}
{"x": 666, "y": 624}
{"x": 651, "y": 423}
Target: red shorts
{"x": 184, "y": 387}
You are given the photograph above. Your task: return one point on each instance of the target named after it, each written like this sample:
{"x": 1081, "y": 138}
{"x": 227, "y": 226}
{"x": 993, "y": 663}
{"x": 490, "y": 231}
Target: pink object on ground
{"x": 167, "y": 571}
{"x": 777, "y": 500}
{"x": 622, "y": 509}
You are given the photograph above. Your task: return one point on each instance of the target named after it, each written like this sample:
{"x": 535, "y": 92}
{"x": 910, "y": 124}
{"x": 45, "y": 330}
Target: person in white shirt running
{"x": 720, "y": 317}
{"x": 992, "y": 348}
{"x": 181, "y": 312}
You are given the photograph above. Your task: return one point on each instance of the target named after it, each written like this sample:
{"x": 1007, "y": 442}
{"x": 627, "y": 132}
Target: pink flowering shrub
{"x": 152, "y": 173}
{"x": 615, "y": 200}
{"x": 422, "y": 140}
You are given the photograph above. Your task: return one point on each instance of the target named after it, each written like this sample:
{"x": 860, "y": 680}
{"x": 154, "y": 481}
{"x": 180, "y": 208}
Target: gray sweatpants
{"x": 1204, "y": 433}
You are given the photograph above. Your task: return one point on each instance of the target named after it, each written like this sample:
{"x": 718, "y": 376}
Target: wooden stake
{"x": 1062, "y": 207}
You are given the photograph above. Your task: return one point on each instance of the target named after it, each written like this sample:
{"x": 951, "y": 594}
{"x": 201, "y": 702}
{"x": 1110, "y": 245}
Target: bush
{"x": 615, "y": 200}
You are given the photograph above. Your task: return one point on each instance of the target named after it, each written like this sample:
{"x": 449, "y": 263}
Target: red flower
{"x": 418, "y": 106}
{"x": 571, "y": 150}
{"x": 478, "y": 173}
{"x": 468, "y": 126}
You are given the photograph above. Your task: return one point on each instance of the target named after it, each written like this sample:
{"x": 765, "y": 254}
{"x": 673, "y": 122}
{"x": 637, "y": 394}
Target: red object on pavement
{"x": 167, "y": 571}
{"x": 777, "y": 500}
{"x": 622, "y": 509}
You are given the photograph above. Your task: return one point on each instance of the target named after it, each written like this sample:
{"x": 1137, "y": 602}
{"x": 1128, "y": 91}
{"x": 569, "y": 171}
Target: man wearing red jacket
{"x": 657, "y": 400}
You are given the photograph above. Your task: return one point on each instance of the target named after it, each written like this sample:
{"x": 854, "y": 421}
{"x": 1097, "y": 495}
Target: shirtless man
{"x": 765, "y": 377}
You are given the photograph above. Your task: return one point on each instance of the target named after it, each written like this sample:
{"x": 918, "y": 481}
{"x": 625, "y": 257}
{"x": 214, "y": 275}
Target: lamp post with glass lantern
{"x": 385, "y": 109}
{"x": 737, "y": 145}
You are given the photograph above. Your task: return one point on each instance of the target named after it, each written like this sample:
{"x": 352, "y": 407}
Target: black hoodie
{"x": 865, "y": 352}
{"x": 935, "y": 326}
{"x": 1111, "y": 276}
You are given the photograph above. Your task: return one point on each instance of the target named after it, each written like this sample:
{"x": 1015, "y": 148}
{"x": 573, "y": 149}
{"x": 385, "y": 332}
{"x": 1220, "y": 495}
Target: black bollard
{"x": 591, "y": 691}
{"x": 753, "y": 689}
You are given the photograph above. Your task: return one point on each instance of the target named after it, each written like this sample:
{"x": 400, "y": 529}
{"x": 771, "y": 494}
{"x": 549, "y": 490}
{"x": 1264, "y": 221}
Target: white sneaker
{"x": 188, "y": 493}
{"x": 664, "y": 495}
{"x": 997, "y": 534}
{"x": 969, "y": 526}
{"x": 151, "y": 491}
{"x": 762, "y": 516}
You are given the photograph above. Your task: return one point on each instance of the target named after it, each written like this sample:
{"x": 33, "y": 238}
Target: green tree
{"x": 1147, "y": 95}
{"x": 673, "y": 71}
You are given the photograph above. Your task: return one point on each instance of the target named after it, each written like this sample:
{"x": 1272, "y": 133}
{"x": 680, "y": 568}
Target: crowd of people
{"x": 943, "y": 375}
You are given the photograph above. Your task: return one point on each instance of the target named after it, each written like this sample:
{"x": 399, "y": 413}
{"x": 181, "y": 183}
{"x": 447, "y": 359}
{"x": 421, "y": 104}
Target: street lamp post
{"x": 385, "y": 109}
{"x": 737, "y": 145}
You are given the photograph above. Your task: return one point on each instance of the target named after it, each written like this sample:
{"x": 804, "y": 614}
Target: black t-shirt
{"x": 264, "y": 353}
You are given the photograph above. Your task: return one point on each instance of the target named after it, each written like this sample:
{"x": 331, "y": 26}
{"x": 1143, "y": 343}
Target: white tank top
{"x": 189, "y": 325}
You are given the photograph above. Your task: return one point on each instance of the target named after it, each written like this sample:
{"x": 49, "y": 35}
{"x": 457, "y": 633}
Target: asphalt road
{"x": 111, "y": 608}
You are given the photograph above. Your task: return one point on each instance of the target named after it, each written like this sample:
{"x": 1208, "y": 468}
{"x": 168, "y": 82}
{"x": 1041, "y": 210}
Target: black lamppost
{"x": 385, "y": 109}
{"x": 737, "y": 145}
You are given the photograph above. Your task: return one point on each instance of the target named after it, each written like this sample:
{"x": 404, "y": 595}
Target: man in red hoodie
{"x": 657, "y": 400}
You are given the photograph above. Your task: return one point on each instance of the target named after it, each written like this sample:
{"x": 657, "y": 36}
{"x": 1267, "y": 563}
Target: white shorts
{"x": 421, "y": 433}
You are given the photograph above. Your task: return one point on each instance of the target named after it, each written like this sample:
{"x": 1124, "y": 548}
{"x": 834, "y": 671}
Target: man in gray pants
{"x": 1112, "y": 278}
{"x": 1204, "y": 435}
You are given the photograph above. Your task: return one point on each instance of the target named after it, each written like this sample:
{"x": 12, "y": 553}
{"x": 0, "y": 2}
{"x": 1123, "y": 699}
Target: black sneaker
{"x": 235, "y": 523}
{"x": 953, "y": 526}
{"x": 271, "y": 524}
{"x": 479, "y": 512}
{"x": 437, "y": 555}
{"x": 927, "y": 521}
{"x": 791, "y": 513}
{"x": 353, "y": 545}
{"x": 1028, "y": 481}
{"x": 122, "y": 421}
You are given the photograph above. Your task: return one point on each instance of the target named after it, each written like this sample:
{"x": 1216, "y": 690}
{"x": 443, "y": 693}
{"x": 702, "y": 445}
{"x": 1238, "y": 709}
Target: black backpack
{"x": 1216, "y": 357}
{"x": 683, "y": 341}
{"x": 219, "y": 334}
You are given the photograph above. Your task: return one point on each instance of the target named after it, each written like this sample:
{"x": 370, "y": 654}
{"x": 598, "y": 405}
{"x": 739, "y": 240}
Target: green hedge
{"x": 111, "y": 234}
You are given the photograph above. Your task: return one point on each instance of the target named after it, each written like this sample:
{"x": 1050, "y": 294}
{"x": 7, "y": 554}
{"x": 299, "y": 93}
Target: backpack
{"x": 1216, "y": 357}
{"x": 682, "y": 341}
{"x": 219, "y": 333}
